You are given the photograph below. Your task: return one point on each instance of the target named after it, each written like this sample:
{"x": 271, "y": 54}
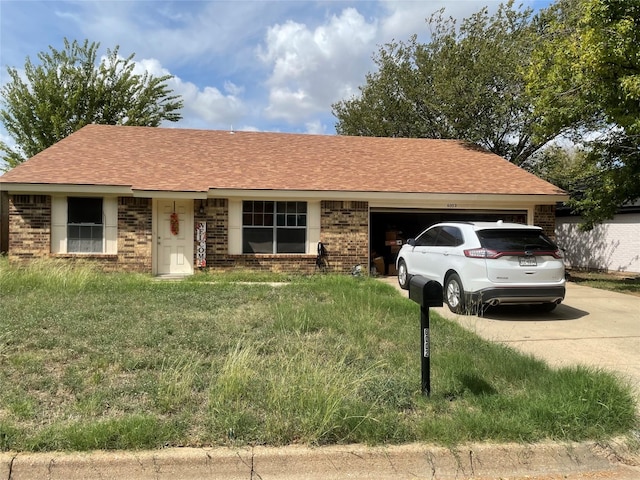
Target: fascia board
{"x": 170, "y": 194}
{"x": 48, "y": 188}
{"x": 386, "y": 199}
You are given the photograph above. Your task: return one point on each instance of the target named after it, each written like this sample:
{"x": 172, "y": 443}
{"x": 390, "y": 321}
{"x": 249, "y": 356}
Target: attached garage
{"x": 391, "y": 227}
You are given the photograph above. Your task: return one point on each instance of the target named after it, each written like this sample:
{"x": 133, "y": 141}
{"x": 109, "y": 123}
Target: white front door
{"x": 174, "y": 222}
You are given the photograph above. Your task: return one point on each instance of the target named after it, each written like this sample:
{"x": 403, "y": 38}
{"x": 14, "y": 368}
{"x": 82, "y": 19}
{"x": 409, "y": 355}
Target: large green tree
{"x": 467, "y": 83}
{"x": 585, "y": 79}
{"x": 69, "y": 89}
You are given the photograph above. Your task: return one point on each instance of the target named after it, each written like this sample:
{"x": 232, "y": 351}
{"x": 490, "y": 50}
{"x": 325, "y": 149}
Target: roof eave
{"x": 374, "y": 197}
{"x": 49, "y": 188}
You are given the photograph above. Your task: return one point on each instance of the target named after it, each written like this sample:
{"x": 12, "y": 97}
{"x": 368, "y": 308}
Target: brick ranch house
{"x": 170, "y": 201}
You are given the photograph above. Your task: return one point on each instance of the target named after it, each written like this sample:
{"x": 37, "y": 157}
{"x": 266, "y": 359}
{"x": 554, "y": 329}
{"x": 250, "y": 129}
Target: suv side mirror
{"x": 412, "y": 242}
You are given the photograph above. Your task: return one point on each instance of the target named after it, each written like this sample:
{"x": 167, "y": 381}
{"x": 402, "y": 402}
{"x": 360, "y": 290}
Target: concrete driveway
{"x": 591, "y": 327}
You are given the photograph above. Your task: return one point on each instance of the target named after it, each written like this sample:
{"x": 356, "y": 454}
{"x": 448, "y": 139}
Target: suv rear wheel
{"x": 454, "y": 293}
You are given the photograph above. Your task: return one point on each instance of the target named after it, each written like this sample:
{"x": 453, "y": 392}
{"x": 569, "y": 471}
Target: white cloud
{"x": 310, "y": 69}
{"x": 316, "y": 127}
{"x": 206, "y": 107}
{"x": 209, "y": 105}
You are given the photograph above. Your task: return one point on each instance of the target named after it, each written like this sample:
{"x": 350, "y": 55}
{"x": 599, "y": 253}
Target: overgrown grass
{"x": 616, "y": 282}
{"x": 93, "y": 361}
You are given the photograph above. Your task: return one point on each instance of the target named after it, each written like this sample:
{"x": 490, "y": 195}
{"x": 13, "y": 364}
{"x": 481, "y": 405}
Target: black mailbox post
{"x": 426, "y": 293}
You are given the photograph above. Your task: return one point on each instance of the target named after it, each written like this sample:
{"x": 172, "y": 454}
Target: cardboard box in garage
{"x": 378, "y": 262}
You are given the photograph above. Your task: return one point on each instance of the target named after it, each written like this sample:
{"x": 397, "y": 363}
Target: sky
{"x": 258, "y": 65}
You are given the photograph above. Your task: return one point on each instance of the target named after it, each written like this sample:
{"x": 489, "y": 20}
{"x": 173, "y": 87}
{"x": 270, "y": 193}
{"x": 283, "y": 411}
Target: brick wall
{"x": 344, "y": 229}
{"x": 29, "y": 226}
{"x": 545, "y": 216}
{"x": 216, "y": 214}
{"x": 613, "y": 245}
{"x": 135, "y": 235}
{"x": 30, "y": 233}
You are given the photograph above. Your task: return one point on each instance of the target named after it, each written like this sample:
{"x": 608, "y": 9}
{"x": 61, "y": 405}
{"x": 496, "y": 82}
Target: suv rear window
{"x": 509, "y": 240}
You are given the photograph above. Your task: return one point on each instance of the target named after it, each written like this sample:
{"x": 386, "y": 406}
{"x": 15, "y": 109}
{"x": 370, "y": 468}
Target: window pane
{"x": 291, "y": 240}
{"x": 449, "y": 237}
{"x": 257, "y": 213}
{"x": 84, "y": 239}
{"x": 515, "y": 240}
{"x": 257, "y": 240}
{"x": 281, "y": 220}
{"x": 85, "y": 233}
{"x": 73, "y": 232}
{"x": 84, "y": 210}
{"x": 428, "y": 238}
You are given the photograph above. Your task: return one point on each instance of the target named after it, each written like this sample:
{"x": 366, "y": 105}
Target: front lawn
{"x": 93, "y": 361}
{"x": 615, "y": 281}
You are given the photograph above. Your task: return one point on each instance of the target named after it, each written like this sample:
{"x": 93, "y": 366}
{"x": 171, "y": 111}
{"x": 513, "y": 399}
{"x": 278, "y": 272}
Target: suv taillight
{"x": 481, "y": 253}
{"x": 487, "y": 253}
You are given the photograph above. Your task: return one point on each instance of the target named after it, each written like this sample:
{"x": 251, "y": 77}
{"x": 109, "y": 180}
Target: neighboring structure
{"x": 167, "y": 201}
{"x": 613, "y": 245}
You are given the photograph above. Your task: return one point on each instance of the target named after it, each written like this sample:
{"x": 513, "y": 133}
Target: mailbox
{"x": 425, "y": 292}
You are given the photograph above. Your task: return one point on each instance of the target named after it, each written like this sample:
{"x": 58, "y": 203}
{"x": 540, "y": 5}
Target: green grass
{"x": 615, "y": 282}
{"x": 94, "y": 361}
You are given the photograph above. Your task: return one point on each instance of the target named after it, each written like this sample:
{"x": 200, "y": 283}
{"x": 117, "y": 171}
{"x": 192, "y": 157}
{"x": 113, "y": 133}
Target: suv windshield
{"x": 509, "y": 240}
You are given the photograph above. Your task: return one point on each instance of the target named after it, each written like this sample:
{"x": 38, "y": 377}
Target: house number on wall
{"x": 452, "y": 205}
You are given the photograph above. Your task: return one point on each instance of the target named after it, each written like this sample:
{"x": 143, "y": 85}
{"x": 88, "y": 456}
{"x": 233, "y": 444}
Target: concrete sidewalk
{"x": 545, "y": 461}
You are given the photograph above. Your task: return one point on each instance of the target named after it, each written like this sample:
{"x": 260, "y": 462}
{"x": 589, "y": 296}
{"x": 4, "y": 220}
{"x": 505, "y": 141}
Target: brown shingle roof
{"x": 147, "y": 158}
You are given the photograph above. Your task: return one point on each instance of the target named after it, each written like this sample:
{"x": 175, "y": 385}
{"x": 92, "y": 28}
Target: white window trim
{"x": 59, "y": 219}
{"x": 235, "y": 226}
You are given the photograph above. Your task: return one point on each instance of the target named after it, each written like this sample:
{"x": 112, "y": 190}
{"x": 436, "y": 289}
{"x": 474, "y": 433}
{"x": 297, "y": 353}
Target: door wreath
{"x": 175, "y": 224}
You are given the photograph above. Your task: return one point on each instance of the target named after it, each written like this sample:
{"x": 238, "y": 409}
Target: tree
{"x": 585, "y": 79}
{"x": 466, "y": 83}
{"x": 69, "y": 90}
{"x": 567, "y": 167}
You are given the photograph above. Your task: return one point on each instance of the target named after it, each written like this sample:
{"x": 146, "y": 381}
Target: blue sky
{"x": 248, "y": 65}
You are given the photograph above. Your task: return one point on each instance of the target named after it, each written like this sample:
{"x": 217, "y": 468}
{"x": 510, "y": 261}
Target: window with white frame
{"x": 274, "y": 227}
{"x": 85, "y": 226}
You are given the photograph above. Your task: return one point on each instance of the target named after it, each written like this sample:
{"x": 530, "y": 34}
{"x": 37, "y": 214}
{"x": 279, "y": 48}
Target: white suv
{"x": 482, "y": 263}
